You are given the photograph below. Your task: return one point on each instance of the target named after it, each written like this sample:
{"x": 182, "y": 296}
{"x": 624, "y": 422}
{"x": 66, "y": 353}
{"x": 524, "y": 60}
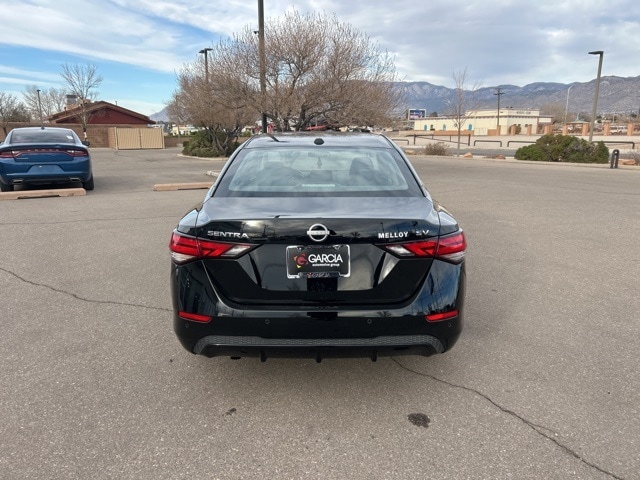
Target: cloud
{"x": 499, "y": 42}
{"x": 18, "y": 76}
{"x": 96, "y": 30}
{"x": 218, "y": 18}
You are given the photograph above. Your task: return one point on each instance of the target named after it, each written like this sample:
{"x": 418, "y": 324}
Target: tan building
{"x": 485, "y": 122}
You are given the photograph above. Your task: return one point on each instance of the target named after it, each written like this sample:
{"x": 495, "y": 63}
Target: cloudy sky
{"x": 139, "y": 45}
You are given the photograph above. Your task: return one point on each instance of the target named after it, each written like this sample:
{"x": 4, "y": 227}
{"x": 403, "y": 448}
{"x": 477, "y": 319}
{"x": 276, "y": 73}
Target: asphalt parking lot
{"x": 544, "y": 382}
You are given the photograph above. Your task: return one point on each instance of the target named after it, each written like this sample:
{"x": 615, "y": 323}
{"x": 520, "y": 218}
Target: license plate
{"x": 318, "y": 261}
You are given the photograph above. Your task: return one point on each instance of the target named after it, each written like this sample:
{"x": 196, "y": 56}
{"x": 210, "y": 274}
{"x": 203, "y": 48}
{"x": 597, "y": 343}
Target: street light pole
{"x": 263, "y": 62}
{"x": 595, "y": 97}
{"x": 206, "y": 63}
{"x": 499, "y": 93}
{"x": 566, "y": 108}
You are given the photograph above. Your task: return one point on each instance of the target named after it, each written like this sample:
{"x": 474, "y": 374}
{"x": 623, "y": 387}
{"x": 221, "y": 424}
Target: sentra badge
{"x": 215, "y": 233}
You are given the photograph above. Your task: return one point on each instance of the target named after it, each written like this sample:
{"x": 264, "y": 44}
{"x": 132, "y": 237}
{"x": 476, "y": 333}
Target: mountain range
{"x": 617, "y": 95}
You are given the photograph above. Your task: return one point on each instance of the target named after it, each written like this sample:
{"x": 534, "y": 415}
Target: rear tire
{"x": 5, "y": 188}
{"x": 88, "y": 185}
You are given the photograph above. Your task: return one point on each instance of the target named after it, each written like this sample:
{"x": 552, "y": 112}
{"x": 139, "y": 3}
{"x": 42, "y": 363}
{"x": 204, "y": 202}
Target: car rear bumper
{"x": 318, "y": 348}
{"x": 17, "y": 174}
{"x": 318, "y": 334}
{"x": 312, "y": 330}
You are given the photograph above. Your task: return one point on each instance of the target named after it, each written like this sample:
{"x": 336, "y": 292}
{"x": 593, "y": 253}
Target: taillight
{"x": 414, "y": 249}
{"x": 186, "y": 249}
{"x": 72, "y": 152}
{"x": 450, "y": 248}
{"x": 77, "y": 153}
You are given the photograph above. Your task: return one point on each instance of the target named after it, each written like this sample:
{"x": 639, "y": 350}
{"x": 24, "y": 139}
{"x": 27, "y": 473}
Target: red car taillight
{"x": 450, "y": 248}
{"x": 186, "y": 249}
{"x": 72, "y": 152}
{"x": 77, "y": 153}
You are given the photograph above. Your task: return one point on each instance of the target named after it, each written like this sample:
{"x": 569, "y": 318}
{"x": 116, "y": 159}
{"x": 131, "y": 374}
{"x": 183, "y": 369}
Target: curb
{"x": 531, "y": 162}
{"x": 62, "y": 192}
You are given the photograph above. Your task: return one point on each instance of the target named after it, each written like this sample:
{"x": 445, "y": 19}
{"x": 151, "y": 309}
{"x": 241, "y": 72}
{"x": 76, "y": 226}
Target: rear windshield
{"x": 316, "y": 171}
{"x": 42, "y": 136}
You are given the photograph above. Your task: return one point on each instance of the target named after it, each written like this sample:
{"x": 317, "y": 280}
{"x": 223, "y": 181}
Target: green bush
{"x": 202, "y": 144}
{"x": 204, "y": 152}
{"x": 532, "y": 152}
{"x": 564, "y": 148}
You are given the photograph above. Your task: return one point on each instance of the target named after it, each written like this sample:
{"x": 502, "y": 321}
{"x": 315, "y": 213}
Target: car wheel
{"x": 5, "y": 188}
{"x": 88, "y": 185}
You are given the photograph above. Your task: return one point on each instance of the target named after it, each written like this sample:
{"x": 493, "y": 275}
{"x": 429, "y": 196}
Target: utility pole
{"x": 263, "y": 68}
{"x": 499, "y": 93}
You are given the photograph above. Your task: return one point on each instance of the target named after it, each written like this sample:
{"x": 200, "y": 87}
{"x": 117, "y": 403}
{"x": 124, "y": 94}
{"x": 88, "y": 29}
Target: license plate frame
{"x": 318, "y": 261}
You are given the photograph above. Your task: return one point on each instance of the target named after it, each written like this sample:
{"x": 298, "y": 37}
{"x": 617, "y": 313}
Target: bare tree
{"x": 464, "y": 101}
{"x": 318, "y": 71}
{"x": 11, "y": 110}
{"x": 177, "y": 112}
{"x": 554, "y": 110}
{"x": 52, "y": 101}
{"x": 322, "y": 70}
{"x": 82, "y": 81}
{"x": 208, "y": 104}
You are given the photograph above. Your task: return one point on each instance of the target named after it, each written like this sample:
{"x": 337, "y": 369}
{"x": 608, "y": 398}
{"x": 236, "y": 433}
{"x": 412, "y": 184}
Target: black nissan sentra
{"x": 321, "y": 245}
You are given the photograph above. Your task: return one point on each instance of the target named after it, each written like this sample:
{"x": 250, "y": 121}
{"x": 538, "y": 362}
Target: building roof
{"x": 97, "y": 108}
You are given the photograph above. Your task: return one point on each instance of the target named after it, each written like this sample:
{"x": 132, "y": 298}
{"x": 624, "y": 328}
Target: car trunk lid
{"x": 280, "y": 232}
{"x": 43, "y": 153}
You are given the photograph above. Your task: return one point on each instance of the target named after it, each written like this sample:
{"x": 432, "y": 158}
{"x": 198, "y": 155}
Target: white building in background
{"x": 184, "y": 129}
{"x": 485, "y": 122}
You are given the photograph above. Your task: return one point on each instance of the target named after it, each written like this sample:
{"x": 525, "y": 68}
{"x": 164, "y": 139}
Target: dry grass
{"x": 440, "y": 149}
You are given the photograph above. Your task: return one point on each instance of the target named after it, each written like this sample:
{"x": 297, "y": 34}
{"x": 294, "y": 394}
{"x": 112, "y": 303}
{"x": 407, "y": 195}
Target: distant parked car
{"x": 44, "y": 155}
{"x": 618, "y": 130}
